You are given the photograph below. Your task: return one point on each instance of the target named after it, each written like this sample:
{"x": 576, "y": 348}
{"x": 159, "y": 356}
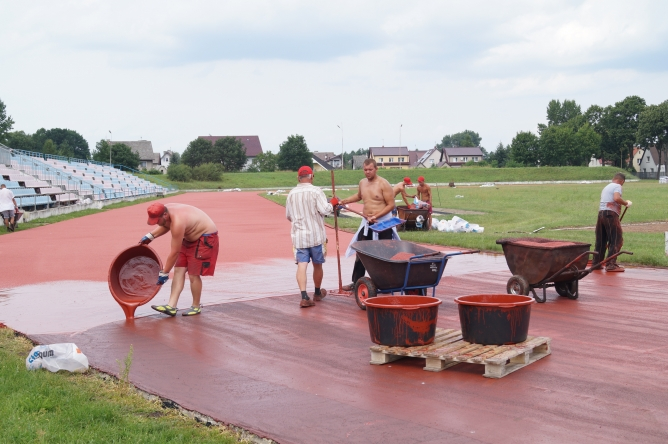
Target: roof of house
{"x": 427, "y": 154}
{"x": 326, "y": 155}
{"x": 388, "y": 151}
{"x": 321, "y": 162}
{"x": 463, "y": 151}
{"x": 252, "y": 143}
{"x": 156, "y": 158}
{"x": 142, "y": 147}
{"x": 414, "y": 156}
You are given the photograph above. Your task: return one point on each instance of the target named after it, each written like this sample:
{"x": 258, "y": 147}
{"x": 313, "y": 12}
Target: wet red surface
{"x": 304, "y": 375}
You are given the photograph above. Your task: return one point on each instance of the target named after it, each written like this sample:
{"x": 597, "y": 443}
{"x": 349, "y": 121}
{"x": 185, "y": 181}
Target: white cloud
{"x": 172, "y": 71}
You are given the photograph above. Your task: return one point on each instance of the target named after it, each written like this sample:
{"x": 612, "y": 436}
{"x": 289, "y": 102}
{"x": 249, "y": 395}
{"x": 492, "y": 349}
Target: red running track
{"x": 303, "y": 375}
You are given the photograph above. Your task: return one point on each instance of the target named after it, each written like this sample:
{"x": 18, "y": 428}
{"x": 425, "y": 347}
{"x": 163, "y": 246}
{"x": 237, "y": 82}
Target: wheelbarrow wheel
{"x": 567, "y": 289}
{"x": 518, "y": 285}
{"x": 364, "y": 289}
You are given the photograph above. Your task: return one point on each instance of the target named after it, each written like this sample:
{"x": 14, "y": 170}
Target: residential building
{"x": 637, "y": 157}
{"x": 394, "y": 157}
{"x": 251, "y": 143}
{"x": 358, "y": 161}
{"x": 414, "y": 156}
{"x": 458, "y": 156}
{"x": 430, "y": 158}
{"x": 148, "y": 160}
{"x": 649, "y": 162}
{"x": 320, "y": 164}
{"x": 329, "y": 157}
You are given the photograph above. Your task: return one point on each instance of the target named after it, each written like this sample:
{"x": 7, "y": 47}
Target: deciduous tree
{"x": 294, "y": 153}
{"x": 471, "y": 138}
{"x": 264, "y": 162}
{"x": 524, "y": 148}
{"x": 232, "y": 153}
{"x": 559, "y": 113}
{"x": 200, "y": 151}
{"x": 121, "y": 154}
{"x": 74, "y": 142}
{"x": 653, "y": 130}
{"x": 6, "y": 122}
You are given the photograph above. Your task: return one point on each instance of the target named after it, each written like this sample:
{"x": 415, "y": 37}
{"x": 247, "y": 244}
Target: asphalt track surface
{"x": 255, "y": 360}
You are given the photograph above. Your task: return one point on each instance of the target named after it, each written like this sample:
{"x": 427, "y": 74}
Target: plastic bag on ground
{"x": 57, "y": 357}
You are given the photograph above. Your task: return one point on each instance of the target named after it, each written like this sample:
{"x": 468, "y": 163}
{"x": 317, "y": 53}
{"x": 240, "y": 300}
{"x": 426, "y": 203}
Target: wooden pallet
{"x": 450, "y": 349}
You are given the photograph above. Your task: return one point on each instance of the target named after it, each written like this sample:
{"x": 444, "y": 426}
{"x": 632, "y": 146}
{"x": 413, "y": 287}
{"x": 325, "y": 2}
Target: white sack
{"x": 56, "y": 357}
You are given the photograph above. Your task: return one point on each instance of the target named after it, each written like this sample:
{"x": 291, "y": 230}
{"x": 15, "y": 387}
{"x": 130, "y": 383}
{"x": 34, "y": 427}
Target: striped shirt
{"x": 306, "y": 208}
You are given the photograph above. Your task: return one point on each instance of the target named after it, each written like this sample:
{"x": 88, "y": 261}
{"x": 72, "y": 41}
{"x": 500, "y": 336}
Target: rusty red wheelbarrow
{"x": 542, "y": 263}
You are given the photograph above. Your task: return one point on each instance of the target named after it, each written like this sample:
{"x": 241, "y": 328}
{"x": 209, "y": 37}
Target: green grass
{"x": 431, "y": 175}
{"x": 40, "y": 406}
{"x": 59, "y": 218}
{"x": 528, "y": 207}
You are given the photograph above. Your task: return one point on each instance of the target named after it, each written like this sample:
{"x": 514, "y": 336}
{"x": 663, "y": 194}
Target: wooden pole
{"x": 336, "y": 230}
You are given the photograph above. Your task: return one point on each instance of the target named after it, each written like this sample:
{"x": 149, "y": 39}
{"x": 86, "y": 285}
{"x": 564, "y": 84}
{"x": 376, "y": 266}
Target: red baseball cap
{"x": 305, "y": 170}
{"x": 407, "y": 181}
{"x": 421, "y": 179}
{"x": 155, "y": 212}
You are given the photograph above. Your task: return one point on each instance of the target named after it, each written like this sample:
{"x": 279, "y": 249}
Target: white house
{"x": 429, "y": 159}
{"x": 650, "y": 160}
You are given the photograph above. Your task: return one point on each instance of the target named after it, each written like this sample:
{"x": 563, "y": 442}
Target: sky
{"x": 345, "y": 73}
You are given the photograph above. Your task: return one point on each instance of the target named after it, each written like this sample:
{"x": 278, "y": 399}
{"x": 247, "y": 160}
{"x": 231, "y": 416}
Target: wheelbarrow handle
{"x": 458, "y": 253}
{"x": 611, "y": 257}
{"x": 435, "y": 253}
{"x": 551, "y": 278}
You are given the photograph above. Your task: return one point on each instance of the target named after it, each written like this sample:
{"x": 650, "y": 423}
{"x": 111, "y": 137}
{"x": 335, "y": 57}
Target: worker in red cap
{"x": 400, "y": 188}
{"x": 194, "y": 249}
{"x": 424, "y": 194}
{"x": 306, "y": 208}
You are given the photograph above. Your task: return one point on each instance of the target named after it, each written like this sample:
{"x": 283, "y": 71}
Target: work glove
{"x": 628, "y": 203}
{"x": 146, "y": 239}
{"x": 162, "y": 277}
{"x": 335, "y": 201}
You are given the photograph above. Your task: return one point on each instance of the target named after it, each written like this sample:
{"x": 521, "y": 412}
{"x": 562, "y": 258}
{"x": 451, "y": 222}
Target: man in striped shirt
{"x": 306, "y": 208}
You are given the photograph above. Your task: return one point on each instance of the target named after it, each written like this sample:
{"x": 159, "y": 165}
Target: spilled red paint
{"x": 492, "y": 319}
{"x": 402, "y": 320}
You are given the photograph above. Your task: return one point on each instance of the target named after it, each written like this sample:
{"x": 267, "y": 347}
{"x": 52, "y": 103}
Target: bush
{"x": 179, "y": 173}
{"x": 207, "y": 172}
{"x": 154, "y": 172}
{"x": 513, "y": 164}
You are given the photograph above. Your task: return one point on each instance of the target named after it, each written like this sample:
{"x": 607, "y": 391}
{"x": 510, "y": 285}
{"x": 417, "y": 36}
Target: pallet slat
{"x": 449, "y": 349}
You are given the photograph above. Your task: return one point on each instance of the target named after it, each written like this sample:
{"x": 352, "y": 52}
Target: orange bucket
{"x": 133, "y": 277}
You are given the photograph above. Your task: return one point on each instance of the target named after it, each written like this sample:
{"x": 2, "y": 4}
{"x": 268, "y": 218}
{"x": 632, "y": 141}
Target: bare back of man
{"x": 400, "y": 188}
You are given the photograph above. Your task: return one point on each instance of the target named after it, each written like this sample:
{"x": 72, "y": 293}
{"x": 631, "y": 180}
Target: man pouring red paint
{"x": 194, "y": 249}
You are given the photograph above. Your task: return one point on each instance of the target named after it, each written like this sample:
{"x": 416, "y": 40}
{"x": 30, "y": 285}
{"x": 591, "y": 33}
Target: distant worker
{"x": 608, "y": 225}
{"x": 378, "y": 197}
{"x": 424, "y": 194}
{"x": 306, "y": 207}
{"x": 400, "y": 188}
{"x": 8, "y": 207}
{"x": 194, "y": 249}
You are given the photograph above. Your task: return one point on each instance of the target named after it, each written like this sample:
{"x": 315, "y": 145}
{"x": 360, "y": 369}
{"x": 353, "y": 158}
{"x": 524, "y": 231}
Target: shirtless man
{"x": 401, "y": 188}
{"x": 424, "y": 194}
{"x": 194, "y": 248}
{"x": 378, "y": 197}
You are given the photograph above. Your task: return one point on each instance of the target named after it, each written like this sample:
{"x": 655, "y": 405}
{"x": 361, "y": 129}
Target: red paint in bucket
{"x": 133, "y": 277}
{"x": 403, "y": 321}
{"x": 494, "y": 319}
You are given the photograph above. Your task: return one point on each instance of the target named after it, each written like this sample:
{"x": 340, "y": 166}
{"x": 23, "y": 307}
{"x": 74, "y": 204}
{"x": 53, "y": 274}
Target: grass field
{"x": 431, "y": 175}
{"x": 523, "y": 208}
{"x": 39, "y": 406}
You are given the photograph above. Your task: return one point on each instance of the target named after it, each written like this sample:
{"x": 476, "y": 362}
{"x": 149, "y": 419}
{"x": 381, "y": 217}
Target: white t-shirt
{"x": 608, "y": 198}
{"x": 6, "y": 197}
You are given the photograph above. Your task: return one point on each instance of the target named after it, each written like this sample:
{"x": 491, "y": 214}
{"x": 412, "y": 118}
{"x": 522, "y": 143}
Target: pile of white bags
{"x": 57, "y": 357}
{"x": 456, "y": 225}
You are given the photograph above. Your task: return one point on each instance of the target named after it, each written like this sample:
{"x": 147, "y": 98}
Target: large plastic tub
{"x": 494, "y": 319}
{"x": 402, "y": 320}
{"x": 133, "y": 277}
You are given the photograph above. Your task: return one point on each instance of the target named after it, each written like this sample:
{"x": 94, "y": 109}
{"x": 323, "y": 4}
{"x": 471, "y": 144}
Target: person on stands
{"x": 8, "y": 207}
{"x": 194, "y": 249}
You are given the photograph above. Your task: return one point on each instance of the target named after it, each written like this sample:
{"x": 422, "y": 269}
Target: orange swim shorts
{"x": 199, "y": 256}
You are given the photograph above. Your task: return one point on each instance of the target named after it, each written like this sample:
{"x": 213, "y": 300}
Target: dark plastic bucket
{"x": 133, "y": 277}
{"x": 494, "y": 319}
{"x": 402, "y": 320}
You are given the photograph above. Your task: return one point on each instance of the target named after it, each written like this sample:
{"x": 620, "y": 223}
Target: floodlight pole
{"x": 111, "y": 136}
{"x": 400, "y": 134}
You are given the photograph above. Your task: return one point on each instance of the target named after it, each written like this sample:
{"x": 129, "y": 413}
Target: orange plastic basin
{"x": 133, "y": 277}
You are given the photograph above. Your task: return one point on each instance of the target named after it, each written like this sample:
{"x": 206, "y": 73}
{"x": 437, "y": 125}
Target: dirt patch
{"x": 647, "y": 227}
